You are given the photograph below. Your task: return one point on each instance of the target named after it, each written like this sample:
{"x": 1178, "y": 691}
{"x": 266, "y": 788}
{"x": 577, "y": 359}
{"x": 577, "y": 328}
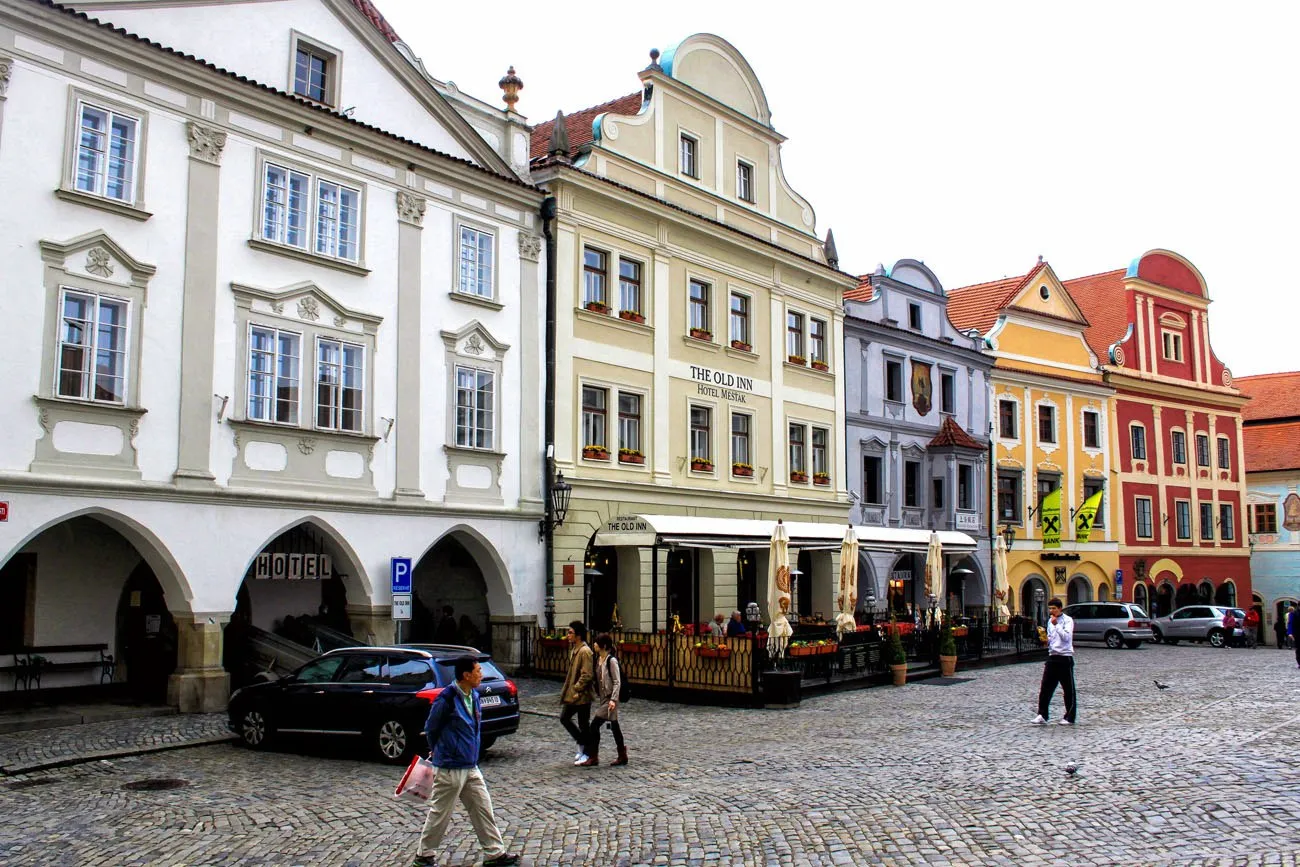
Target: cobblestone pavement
{"x": 1207, "y": 772}
{"x": 22, "y": 752}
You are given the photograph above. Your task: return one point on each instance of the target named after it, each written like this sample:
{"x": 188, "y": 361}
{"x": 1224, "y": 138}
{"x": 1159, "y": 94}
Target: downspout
{"x": 548, "y": 459}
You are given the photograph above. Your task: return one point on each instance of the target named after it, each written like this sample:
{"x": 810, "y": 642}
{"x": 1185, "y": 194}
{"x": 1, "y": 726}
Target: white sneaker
{"x": 1064, "y": 722}
{"x": 1039, "y": 721}
{"x": 580, "y": 758}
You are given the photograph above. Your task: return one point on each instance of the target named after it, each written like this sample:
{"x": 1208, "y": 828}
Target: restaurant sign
{"x": 627, "y": 524}
{"x": 629, "y": 530}
{"x": 293, "y": 567}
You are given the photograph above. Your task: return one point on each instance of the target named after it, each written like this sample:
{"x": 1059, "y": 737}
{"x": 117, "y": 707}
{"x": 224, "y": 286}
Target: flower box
{"x": 813, "y": 650}
{"x": 744, "y": 470}
{"x": 821, "y": 479}
{"x": 597, "y": 307}
{"x": 701, "y": 466}
{"x": 796, "y": 359}
{"x": 626, "y": 456}
{"x": 713, "y": 652}
{"x": 595, "y": 453}
{"x": 633, "y": 647}
{"x": 741, "y": 345}
{"x": 1001, "y": 627}
{"x": 632, "y": 316}
{"x": 959, "y": 631}
{"x": 820, "y": 365}
{"x": 799, "y": 477}
{"x": 702, "y": 334}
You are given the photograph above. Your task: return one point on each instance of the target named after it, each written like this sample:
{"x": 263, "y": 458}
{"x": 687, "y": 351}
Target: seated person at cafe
{"x": 735, "y": 626}
{"x": 718, "y": 628}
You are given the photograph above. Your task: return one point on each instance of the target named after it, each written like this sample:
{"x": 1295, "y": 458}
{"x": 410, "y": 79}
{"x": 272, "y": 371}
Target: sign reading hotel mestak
{"x": 718, "y": 383}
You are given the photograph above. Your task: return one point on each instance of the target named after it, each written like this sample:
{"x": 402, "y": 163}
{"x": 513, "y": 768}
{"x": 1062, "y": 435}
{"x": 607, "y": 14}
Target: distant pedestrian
{"x": 735, "y": 626}
{"x": 718, "y": 628}
{"x": 1252, "y": 627}
{"x": 454, "y": 733}
{"x": 1229, "y": 627}
{"x": 1059, "y": 668}
{"x": 609, "y": 682}
{"x": 1293, "y": 632}
{"x": 1279, "y": 629}
{"x": 577, "y": 692}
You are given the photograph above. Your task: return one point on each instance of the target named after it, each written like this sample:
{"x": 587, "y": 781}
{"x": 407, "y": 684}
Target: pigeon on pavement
{"x": 1162, "y": 686}
{"x": 1071, "y": 769}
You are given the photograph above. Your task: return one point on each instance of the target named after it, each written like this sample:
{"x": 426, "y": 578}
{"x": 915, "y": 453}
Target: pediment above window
{"x": 474, "y": 341}
{"x": 99, "y": 257}
{"x": 305, "y": 302}
{"x": 1172, "y": 320}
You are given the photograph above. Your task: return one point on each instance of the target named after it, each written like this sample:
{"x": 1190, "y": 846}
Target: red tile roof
{"x": 1272, "y": 446}
{"x": 951, "y": 434}
{"x": 366, "y": 8}
{"x": 1273, "y": 395}
{"x": 863, "y": 291}
{"x": 579, "y": 123}
{"x": 1102, "y": 299}
{"x": 977, "y": 306}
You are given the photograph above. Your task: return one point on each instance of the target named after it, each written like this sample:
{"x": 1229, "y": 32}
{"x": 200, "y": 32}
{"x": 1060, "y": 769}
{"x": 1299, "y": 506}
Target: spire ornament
{"x": 511, "y": 84}
{"x": 832, "y": 255}
{"x": 559, "y": 137}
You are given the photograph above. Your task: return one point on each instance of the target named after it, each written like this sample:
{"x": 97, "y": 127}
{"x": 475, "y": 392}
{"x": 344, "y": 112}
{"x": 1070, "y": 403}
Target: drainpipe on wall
{"x": 548, "y": 458}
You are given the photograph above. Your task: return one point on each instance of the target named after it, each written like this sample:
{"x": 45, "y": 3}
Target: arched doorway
{"x": 1164, "y": 600}
{"x": 600, "y": 580}
{"x": 1079, "y": 590}
{"x": 1034, "y": 597}
{"x": 1103, "y": 593}
{"x": 906, "y": 588}
{"x": 1140, "y": 596}
{"x": 1186, "y": 595}
{"x": 966, "y": 586}
{"x": 146, "y": 636}
{"x": 450, "y": 604}
{"x": 1281, "y": 608}
{"x": 682, "y": 586}
{"x": 1226, "y": 594}
{"x": 1205, "y": 592}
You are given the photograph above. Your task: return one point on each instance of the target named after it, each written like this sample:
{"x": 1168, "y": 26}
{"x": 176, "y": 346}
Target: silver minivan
{"x": 1119, "y": 624}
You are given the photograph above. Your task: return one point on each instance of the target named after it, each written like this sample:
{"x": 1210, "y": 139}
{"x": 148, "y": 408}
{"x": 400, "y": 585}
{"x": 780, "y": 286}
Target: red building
{"x": 1179, "y": 472}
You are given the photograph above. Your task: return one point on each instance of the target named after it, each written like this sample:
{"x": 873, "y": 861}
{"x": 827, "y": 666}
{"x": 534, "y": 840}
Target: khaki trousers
{"x": 467, "y": 785}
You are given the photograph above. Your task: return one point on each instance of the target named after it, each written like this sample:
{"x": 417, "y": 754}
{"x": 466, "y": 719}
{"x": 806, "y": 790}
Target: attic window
{"x": 1044, "y": 292}
{"x": 914, "y": 316}
{"x": 314, "y": 70}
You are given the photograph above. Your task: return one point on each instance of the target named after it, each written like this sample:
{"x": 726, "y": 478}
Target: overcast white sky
{"x": 977, "y": 136}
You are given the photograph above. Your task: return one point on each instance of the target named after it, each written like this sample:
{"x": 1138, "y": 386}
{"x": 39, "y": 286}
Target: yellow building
{"x": 700, "y": 341}
{"x": 1053, "y": 428}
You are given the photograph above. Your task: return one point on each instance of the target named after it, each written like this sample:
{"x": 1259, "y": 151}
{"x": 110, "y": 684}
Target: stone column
{"x": 532, "y": 439}
{"x": 507, "y": 640}
{"x": 725, "y": 579}
{"x": 199, "y": 314}
{"x": 6, "y": 70}
{"x": 410, "y": 221}
{"x": 200, "y": 683}
{"x": 372, "y": 624}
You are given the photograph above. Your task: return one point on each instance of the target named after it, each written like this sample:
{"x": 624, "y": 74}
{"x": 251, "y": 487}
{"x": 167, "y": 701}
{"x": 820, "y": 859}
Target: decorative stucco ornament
{"x": 99, "y": 263}
{"x": 410, "y": 209}
{"x": 206, "y": 143}
{"x": 308, "y": 309}
{"x": 475, "y": 345}
{"x": 530, "y": 247}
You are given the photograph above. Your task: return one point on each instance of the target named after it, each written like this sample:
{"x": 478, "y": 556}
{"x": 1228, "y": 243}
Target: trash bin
{"x": 781, "y": 689}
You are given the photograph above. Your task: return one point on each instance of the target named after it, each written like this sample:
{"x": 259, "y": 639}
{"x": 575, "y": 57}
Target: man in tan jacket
{"x": 577, "y": 694}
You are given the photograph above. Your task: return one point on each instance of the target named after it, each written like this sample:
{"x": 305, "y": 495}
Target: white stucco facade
{"x": 168, "y": 447}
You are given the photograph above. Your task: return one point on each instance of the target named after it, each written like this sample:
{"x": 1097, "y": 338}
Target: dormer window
{"x": 914, "y": 316}
{"x": 744, "y": 181}
{"x": 688, "y": 149}
{"x": 1173, "y": 345}
{"x": 315, "y": 71}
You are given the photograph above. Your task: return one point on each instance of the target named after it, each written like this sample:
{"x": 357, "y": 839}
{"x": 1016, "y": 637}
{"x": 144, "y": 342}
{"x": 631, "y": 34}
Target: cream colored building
{"x": 700, "y": 343}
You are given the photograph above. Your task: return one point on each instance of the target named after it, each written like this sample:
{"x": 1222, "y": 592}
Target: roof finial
{"x": 1040, "y": 258}
{"x": 832, "y": 255}
{"x": 654, "y": 58}
{"x": 511, "y": 84}
{"x": 559, "y": 136}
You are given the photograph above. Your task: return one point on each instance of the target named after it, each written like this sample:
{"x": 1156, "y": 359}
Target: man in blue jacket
{"x": 453, "y": 731}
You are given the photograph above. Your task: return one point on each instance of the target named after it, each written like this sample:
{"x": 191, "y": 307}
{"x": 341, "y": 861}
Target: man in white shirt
{"x": 1059, "y": 668}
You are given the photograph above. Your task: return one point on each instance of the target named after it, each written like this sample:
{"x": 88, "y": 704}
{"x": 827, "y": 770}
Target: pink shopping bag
{"x": 417, "y": 782}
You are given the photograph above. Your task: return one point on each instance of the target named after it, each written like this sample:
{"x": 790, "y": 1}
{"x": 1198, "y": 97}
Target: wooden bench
{"x": 29, "y": 663}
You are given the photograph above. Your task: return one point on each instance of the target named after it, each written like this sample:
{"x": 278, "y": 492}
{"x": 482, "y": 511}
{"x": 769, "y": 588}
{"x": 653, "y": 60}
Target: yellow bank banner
{"x": 1085, "y": 517}
{"x": 1049, "y": 516}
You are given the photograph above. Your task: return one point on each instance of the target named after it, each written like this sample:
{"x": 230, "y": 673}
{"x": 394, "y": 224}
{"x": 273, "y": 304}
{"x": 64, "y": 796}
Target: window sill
{"x": 308, "y": 256}
{"x": 741, "y": 353}
{"x": 466, "y": 450}
{"x": 702, "y": 474}
{"x": 808, "y": 368}
{"x": 341, "y": 436}
{"x": 476, "y": 300}
{"x": 613, "y": 320}
{"x": 113, "y": 206}
{"x": 73, "y": 404}
{"x": 699, "y": 343}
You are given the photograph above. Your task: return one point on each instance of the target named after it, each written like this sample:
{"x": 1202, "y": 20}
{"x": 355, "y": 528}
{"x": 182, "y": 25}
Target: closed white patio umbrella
{"x": 934, "y": 569}
{"x": 778, "y": 591}
{"x": 848, "y": 595}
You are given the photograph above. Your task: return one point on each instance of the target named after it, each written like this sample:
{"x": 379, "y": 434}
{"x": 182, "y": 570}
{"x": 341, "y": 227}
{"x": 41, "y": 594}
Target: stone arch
{"x": 1226, "y": 594}
{"x": 1165, "y": 565}
{"x": 868, "y": 584}
{"x": 355, "y": 580}
{"x": 496, "y": 576}
{"x": 974, "y": 586}
{"x": 1164, "y": 599}
{"x": 1078, "y": 590}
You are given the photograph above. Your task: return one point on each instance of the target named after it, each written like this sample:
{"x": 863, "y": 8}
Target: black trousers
{"x": 577, "y": 732}
{"x": 1057, "y": 671}
{"x": 593, "y": 735}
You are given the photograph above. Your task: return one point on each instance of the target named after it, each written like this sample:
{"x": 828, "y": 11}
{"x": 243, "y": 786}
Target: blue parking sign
{"x": 401, "y": 574}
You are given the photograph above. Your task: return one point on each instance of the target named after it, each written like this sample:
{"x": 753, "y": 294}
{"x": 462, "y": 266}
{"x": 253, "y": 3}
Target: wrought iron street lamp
{"x": 560, "y": 493}
{"x": 1009, "y": 536}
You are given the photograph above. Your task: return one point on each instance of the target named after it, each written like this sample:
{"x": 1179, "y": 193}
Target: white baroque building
{"x": 273, "y": 310}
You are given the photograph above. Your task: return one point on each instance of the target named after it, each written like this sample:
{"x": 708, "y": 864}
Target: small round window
{"x": 1044, "y": 292}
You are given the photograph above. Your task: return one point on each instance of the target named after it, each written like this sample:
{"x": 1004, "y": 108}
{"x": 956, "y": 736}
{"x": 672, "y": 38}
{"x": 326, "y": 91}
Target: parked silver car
{"x": 1198, "y": 623}
{"x": 1119, "y": 624}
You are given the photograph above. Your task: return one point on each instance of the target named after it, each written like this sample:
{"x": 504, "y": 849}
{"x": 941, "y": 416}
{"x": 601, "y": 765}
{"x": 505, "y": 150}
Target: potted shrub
{"x": 895, "y": 653}
{"x": 630, "y": 456}
{"x": 702, "y": 465}
{"x": 947, "y": 649}
{"x": 798, "y": 476}
{"x": 818, "y": 364}
{"x": 821, "y": 478}
{"x": 595, "y": 453}
{"x": 598, "y": 307}
{"x": 741, "y": 345}
{"x": 796, "y": 359}
{"x": 742, "y": 469}
{"x": 632, "y": 316}
{"x": 702, "y": 334}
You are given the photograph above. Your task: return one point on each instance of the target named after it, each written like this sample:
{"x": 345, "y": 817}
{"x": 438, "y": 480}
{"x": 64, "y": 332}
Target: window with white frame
{"x": 741, "y": 426}
{"x": 1047, "y": 424}
{"x": 794, "y": 337}
{"x": 744, "y": 181}
{"x": 1227, "y": 526}
{"x": 1142, "y": 514}
{"x": 947, "y": 392}
{"x": 701, "y": 433}
{"x": 477, "y": 261}
{"x": 1207, "y": 522}
{"x": 740, "y": 320}
{"x": 893, "y": 380}
{"x": 315, "y": 72}
{"x": 629, "y": 285}
{"x": 595, "y": 277}
{"x": 1138, "y": 440}
{"x": 1183, "y": 519}
{"x": 108, "y": 146}
{"x": 629, "y": 422}
{"x": 688, "y": 155}
{"x": 798, "y": 449}
{"x": 1178, "y": 444}
{"x": 1202, "y": 450}
{"x": 290, "y": 199}
{"x": 1172, "y": 345}
{"x": 274, "y": 374}
{"x": 475, "y": 407}
{"x": 595, "y": 408}
{"x": 1008, "y": 415}
{"x": 821, "y": 466}
{"x": 817, "y": 342}
{"x": 1091, "y": 429}
{"x": 701, "y": 319}
{"x": 1225, "y": 453}
{"x": 340, "y": 385}
{"x": 91, "y": 363}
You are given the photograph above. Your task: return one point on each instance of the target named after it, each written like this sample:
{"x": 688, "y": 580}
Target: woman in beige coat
{"x": 608, "y": 681}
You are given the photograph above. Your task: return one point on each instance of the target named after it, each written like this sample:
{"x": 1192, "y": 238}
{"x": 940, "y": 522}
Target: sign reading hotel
{"x": 718, "y": 383}
{"x": 294, "y": 567}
